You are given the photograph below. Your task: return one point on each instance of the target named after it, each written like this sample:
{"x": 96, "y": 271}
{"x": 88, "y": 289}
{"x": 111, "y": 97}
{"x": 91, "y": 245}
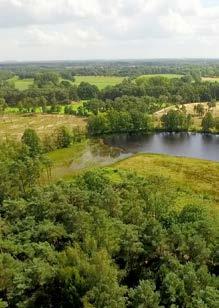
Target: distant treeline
{"x": 130, "y": 68}
{"x": 50, "y": 89}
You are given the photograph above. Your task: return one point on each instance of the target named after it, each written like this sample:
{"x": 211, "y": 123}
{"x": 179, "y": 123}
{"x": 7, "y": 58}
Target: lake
{"x": 197, "y": 145}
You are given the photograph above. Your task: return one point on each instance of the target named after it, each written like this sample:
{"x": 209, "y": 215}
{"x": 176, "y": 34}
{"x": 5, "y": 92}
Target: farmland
{"x": 99, "y": 81}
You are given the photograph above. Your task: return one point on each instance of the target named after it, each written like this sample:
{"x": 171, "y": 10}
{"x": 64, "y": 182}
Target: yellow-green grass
{"x": 196, "y": 180}
{"x": 212, "y": 79}
{"x": 169, "y": 76}
{"x": 100, "y": 81}
{"x": 190, "y": 110}
{"x": 13, "y": 125}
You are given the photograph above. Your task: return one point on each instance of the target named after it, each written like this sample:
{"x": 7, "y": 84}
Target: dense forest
{"x": 107, "y": 238}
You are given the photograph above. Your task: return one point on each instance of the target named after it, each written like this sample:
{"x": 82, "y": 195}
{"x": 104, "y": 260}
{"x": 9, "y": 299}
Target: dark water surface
{"x": 204, "y": 146}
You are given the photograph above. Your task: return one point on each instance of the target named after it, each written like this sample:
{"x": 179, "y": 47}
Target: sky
{"x": 34, "y": 30}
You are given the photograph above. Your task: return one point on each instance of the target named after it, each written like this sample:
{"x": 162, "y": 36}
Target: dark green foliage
{"x": 96, "y": 242}
{"x": 32, "y": 141}
{"x": 217, "y": 123}
{"x": 173, "y": 90}
{"x": 3, "y": 105}
{"x": 119, "y": 122}
{"x": 73, "y": 93}
{"x": 63, "y": 138}
{"x": 176, "y": 120}
{"x": 144, "y": 295}
{"x": 87, "y": 91}
{"x": 199, "y": 109}
{"x": 41, "y": 79}
{"x": 208, "y": 122}
{"x": 68, "y": 75}
{"x": 20, "y": 169}
{"x": 145, "y": 104}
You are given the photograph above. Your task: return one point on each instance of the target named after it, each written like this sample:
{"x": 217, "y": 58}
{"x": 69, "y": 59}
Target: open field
{"x": 13, "y": 125}
{"x": 190, "y": 110}
{"x": 99, "y": 81}
{"x": 169, "y": 76}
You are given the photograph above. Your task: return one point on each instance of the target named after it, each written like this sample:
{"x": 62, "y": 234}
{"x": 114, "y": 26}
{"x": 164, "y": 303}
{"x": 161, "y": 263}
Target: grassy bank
{"x": 195, "y": 181}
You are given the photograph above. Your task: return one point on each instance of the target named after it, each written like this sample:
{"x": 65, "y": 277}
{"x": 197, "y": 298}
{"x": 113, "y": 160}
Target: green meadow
{"x": 100, "y": 81}
{"x": 196, "y": 181}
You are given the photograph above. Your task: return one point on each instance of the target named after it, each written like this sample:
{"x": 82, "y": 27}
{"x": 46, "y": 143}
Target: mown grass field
{"x": 190, "y": 110}
{"x": 13, "y": 125}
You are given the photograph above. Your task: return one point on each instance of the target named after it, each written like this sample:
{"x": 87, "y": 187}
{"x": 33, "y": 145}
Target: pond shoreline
{"x": 181, "y": 144}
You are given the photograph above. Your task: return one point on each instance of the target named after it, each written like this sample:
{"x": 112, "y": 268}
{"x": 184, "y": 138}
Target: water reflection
{"x": 205, "y": 146}
{"x": 97, "y": 153}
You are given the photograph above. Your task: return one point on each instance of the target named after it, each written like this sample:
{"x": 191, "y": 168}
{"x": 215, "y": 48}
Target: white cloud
{"x": 108, "y": 28}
